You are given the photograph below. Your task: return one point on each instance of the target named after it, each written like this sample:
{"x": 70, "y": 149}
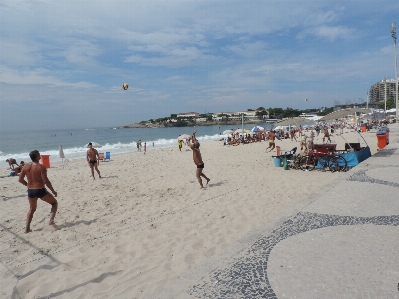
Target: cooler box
{"x": 277, "y": 161}
{"x": 46, "y": 160}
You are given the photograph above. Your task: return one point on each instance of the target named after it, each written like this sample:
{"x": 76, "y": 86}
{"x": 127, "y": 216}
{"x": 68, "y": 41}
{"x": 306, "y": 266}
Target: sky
{"x": 62, "y": 63}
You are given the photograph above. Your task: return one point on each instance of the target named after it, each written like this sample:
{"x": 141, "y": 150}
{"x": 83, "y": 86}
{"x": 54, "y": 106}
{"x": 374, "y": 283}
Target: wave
{"x": 79, "y": 152}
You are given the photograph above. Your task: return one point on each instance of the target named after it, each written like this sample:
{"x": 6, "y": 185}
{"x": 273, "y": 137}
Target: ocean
{"x": 18, "y": 144}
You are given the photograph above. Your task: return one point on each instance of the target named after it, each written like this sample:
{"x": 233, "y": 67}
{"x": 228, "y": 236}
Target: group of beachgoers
{"x": 37, "y": 180}
{"x": 304, "y": 135}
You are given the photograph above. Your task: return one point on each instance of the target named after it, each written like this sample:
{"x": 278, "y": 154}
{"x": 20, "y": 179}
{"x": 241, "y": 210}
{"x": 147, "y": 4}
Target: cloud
{"x": 330, "y": 33}
{"x": 37, "y": 77}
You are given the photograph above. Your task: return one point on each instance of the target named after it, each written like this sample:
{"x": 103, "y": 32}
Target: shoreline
{"x": 193, "y": 124}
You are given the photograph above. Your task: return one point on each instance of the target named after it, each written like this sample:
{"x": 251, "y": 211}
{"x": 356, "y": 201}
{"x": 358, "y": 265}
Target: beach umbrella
{"x": 344, "y": 113}
{"x": 183, "y": 136}
{"x": 257, "y": 129}
{"x": 94, "y": 144}
{"x": 227, "y": 132}
{"x": 61, "y": 152}
{"x": 292, "y": 121}
{"x": 367, "y": 116}
{"x": 238, "y": 131}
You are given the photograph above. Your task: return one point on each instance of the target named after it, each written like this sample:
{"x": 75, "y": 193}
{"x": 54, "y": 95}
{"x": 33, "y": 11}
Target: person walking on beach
{"x": 145, "y": 147}
{"x": 326, "y": 135}
{"x": 197, "y": 159}
{"x": 272, "y": 137}
{"x": 36, "y": 174}
{"x": 180, "y": 143}
{"x": 292, "y": 135}
{"x": 303, "y": 141}
{"x": 93, "y": 160}
{"x": 11, "y": 162}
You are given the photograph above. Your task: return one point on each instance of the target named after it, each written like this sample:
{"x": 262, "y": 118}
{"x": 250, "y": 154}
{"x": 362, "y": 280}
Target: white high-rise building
{"x": 377, "y": 91}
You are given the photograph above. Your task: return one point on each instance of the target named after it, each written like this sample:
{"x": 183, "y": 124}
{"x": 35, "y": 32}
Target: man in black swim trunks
{"x": 93, "y": 160}
{"x": 37, "y": 180}
{"x": 197, "y": 159}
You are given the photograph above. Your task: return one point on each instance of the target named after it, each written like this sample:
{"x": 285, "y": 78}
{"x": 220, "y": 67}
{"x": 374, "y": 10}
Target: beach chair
{"x": 107, "y": 156}
{"x": 290, "y": 153}
{"x": 101, "y": 156}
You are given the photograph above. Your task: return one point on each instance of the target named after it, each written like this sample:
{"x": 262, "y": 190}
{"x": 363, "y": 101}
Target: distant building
{"x": 360, "y": 105}
{"x": 188, "y": 114}
{"x": 377, "y": 91}
{"x": 248, "y": 115}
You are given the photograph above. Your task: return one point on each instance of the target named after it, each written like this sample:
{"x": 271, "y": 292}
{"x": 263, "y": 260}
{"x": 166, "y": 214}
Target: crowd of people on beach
{"x": 304, "y": 135}
{"x": 37, "y": 179}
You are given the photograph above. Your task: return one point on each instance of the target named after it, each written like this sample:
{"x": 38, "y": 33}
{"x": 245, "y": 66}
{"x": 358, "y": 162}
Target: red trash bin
{"x": 46, "y": 160}
{"x": 364, "y": 129}
{"x": 381, "y": 140}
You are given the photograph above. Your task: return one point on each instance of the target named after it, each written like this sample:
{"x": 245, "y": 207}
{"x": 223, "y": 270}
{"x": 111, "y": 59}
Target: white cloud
{"x": 37, "y": 77}
{"x": 329, "y": 32}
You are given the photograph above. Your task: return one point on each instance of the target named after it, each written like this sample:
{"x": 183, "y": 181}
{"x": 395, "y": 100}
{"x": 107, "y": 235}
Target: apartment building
{"x": 377, "y": 91}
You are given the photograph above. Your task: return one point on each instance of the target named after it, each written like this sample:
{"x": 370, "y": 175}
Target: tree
{"x": 390, "y": 104}
{"x": 276, "y": 112}
{"x": 325, "y": 111}
{"x": 289, "y": 112}
{"x": 224, "y": 117}
{"x": 260, "y": 113}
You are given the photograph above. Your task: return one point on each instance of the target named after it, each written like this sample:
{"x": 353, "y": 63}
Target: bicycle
{"x": 324, "y": 160}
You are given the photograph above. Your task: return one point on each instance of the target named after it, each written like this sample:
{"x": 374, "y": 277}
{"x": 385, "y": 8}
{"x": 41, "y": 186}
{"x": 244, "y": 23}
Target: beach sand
{"x": 146, "y": 222}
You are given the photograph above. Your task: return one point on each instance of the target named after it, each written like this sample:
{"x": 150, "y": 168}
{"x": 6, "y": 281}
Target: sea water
{"x": 18, "y": 144}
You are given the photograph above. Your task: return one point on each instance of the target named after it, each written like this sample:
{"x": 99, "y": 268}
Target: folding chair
{"x": 107, "y": 156}
{"x": 101, "y": 156}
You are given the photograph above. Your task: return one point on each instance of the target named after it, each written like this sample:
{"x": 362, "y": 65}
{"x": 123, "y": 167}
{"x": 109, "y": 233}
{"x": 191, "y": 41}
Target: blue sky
{"x": 62, "y": 63}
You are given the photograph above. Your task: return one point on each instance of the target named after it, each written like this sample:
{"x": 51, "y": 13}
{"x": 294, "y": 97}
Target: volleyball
{"x": 125, "y": 86}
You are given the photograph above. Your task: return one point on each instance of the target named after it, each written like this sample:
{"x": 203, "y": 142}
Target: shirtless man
{"x": 93, "y": 160}
{"x": 272, "y": 137}
{"x": 19, "y": 168}
{"x": 197, "y": 159}
{"x": 303, "y": 141}
{"x": 11, "y": 162}
{"x": 326, "y": 135}
{"x": 37, "y": 180}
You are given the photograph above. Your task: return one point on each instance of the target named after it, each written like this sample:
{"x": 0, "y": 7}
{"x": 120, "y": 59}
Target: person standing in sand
{"x": 37, "y": 180}
{"x": 145, "y": 147}
{"x": 197, "y": 159}
{"x": 93, "y": 160}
